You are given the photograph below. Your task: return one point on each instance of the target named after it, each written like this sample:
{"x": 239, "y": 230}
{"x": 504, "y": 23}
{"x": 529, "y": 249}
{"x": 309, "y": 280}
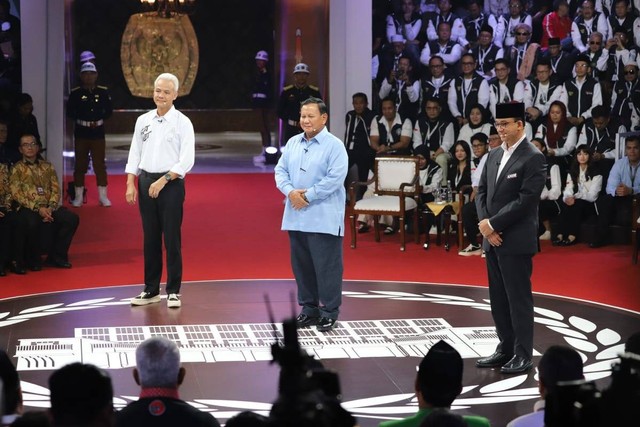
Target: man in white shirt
{"x": 162, "y": 152}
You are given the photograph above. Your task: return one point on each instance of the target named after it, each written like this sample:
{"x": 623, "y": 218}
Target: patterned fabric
{"x": 34, "y": 185}
{"x": 5, "y": 194}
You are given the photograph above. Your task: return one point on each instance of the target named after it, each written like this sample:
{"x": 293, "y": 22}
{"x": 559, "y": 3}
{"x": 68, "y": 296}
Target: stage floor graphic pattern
{"x": 224, "y": 334}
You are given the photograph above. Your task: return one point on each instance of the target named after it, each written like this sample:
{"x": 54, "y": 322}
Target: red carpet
{"x": 231, "y": 230}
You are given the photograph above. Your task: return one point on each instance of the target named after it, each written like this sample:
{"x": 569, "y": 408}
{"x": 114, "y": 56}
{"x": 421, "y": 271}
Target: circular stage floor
{"x": 224, "y": 334}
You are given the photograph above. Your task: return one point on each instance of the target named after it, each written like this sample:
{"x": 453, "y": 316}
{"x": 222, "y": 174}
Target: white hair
{"x": 158, "y": 363}
{"x": 170, "y": 77}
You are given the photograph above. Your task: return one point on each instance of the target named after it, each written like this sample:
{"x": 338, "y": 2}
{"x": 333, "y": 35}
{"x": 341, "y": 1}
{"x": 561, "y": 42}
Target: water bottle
{"x": 449, "y": 192}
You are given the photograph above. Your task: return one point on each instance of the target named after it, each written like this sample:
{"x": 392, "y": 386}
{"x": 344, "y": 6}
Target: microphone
{"x": 306, "y": 150}
{"x": 498, "y": 164}
{"x": 313, "y": 129}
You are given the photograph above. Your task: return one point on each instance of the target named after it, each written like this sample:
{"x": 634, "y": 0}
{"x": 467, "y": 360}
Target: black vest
{"x": 584, "y": 29}
{"x": 626, "y": 26}
{"x": 406, "y": 108}
{"x": 391, "y": 137}
{"x": 625, "y": 96}
{"x": 600, "y": 141}
{"x": 579, "y": 101}
{"x": 465, "y": 104}
{"x": 356, "y": 136}
{"x": 488, "y": 61}
{"x": 535, "y": 88}
{"x": 595, "y": 72}
{"x": 473, "y": 26}
{"x": 432, "y": 134}
{"x": 511, "y": 86}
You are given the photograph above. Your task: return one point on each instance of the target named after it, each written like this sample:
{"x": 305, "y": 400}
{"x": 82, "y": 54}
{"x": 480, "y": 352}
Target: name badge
{"x": 40, "y": 191}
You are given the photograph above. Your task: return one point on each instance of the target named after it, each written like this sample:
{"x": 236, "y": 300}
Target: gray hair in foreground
{"x": 170, "y": 77}
{"x": 319, "y": 102}
{"x": 158, "y": 362}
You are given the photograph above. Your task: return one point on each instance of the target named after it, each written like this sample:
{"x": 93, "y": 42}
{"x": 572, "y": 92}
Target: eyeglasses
{"x": 630, "y": 71}
{"x": 592, "y": 42}
{"x": 29, "y": 145}
{"x": 502, "y": 125}
{"x": 522, "y": 34}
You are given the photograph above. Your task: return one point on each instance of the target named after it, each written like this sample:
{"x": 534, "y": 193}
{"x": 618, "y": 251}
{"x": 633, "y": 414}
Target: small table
{"x": 435, "y": 209}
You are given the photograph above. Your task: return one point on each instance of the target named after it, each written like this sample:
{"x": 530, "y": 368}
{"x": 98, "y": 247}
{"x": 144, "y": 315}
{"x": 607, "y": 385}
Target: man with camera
{"x": 403, "y": 88}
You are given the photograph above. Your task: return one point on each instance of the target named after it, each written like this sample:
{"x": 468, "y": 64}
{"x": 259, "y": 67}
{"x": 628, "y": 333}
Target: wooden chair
{"x": 397, "y": 191}
{"x": 635, "y": 214}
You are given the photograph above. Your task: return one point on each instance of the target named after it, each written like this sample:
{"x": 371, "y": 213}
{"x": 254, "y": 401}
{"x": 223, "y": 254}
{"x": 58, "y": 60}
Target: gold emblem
{"x": 152, "y": 45}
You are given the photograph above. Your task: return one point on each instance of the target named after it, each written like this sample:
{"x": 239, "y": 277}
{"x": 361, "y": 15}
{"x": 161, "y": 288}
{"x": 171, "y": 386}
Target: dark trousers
{"x": 84, "y": 146}
{"x": 265, "y": 129}
{"x": 572, "y": 217}
{"x": 316, "y": 260}
{"x": 547, "y": 210}
{"x": 7, "y": 224}
{"x": 33, "y": 237}
{"x": 470, "y": 222}
{"x": 288, "y": 132}
{"x": 511, "y": 301}
{"x": 161, "y": 216}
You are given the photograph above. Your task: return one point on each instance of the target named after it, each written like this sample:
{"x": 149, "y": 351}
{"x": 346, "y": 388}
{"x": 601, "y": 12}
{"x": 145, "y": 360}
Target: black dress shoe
{"x": 493, "y": 361}
{"x": 325, "y": 324}
{"x": 58, "y": 263}
{"x": 303, "y": 321}
{"x": 516, "y": 365}
{"x": 18, "y": 268}
{"x": 567, "y": 242}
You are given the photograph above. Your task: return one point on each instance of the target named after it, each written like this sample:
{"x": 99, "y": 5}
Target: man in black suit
{"x": 507, "y": 203}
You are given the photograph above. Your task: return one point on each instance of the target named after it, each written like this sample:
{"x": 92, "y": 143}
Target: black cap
{"x": 487, "y": 28}
{"x": 510, "y": 110}
{"x": 582, "y": 58}
{"x": 441, "y": 363}
{"x": 422, "y": 150}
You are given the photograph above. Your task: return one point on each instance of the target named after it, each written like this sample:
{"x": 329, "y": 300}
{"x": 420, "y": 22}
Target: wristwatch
{"x": 167, "y": 176}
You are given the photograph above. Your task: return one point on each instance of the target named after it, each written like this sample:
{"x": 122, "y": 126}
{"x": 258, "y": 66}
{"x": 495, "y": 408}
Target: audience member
{"x": 248, "y": 419}
{"x": 621, "y": 52}
{"x": 581, "y": 191}
{"x": 437, "y": 82}
{"x": 33, "y": 419}
{"x": 599, "y": 134}
{"x": 159, "y": 374}
{"x": 402, "y": 86}
{"x": 466, "y": 90}
{"x": 389, "y": 57}
{"x": 550, "y": 205}
{"x": 496, "y": 7}
{"x": 36, "y": 192}
{"x": 469, "y": 212}
{"x": 430, "y": 174}
{"x": 445, "y": 15}
{"x": 625, "y": 98}
{"x": 11, "y": 396}
{"x": 622, "y": 184}
{"x": 88, "y": 106}
{"x": 406, "y": 21}
{"x": 22, "y": 122}
{"x": 7, "y": 219}
{"x": 474, "y": 22}
{"x": 560, "y": 61}
{"x": 558, "y": 363}
{"x": 290, "y": 99}
{"x": 437, "y": 384}
{"x": 511, "y": 20}
{"x": 622, "y": 20}
{"x": 588, "y": 22}
{"x": 436, "y": 133}
{"x": 261, "y": 99}
{"x": 81, "y": 395}
{"x": 522, "y": 55}
{"x": 502, "y": 87}
{"x": 559, "y": 135}
{"x": 538, "y": 94}
{"x": 557, "y": 24}
{"x": 581, "y": 93}
{"x": 459, "y": 173}
{"x": 443, "y": 46}
{"x": 598, "y": 56}
{"x": 443, "y": 418}
{"x": 8, "y": 154}
{"x": 478, "y": 122}
{"x": 486, "y": 52}
{"x": 390, "y": 133}
{"x": 356, "y": 137}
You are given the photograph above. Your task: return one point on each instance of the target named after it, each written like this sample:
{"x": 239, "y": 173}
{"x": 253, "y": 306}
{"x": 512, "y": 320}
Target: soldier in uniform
{"x": 89, "y": 105}
{"x": 261, "y": 100}
{"x": 290, "y": 99}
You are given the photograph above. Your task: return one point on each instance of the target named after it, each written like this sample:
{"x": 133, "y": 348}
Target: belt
{"x": 152, "y": 175}
{"x": 88, "y": 124}
{"x": 292, "y": 123}
{"x": 259, "y": 95}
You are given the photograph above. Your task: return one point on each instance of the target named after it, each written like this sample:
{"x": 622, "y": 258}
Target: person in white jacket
{"x": 580, "y": 193}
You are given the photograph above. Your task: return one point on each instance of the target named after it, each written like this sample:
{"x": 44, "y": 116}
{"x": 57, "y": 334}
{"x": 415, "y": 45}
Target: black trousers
{"x": 33, "y": 237}
{"x": 511, "y": 301}
{"x": 573, "y": 216}
{"x": 470, "y": 222}
{"x": 7, "y": 225}
{"x": 161, "y": 217}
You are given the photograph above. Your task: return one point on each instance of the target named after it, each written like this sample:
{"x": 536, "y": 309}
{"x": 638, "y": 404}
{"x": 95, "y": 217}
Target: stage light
{"x": 271, "y": 155}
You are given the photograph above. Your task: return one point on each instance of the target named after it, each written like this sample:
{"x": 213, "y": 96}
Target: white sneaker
{"x": 173, "y": 301}
{"x": 545, "y": 236}
{"x": 145, "y": 298}
{"x": 484, "y": 254}
{"x": 471, "y": 250}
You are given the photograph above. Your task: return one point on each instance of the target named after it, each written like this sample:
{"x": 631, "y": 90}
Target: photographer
{"x": 403, "y": 88}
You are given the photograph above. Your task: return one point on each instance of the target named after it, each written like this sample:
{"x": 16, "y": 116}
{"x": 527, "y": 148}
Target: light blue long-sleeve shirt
{"x": 623, "y": 173}
{"x": 320, "y": 166}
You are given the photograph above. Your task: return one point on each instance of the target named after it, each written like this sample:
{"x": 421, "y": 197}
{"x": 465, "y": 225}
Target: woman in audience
{"x": 460, "y": 168}
{"x": 559, "y": 135}
{"x": 549, "y": 206}
{"x": 478, "y": 121}
{"x": 583, "y": 185}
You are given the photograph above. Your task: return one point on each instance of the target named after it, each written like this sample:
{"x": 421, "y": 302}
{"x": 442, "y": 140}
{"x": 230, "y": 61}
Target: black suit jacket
{"x": 511, "y": 202}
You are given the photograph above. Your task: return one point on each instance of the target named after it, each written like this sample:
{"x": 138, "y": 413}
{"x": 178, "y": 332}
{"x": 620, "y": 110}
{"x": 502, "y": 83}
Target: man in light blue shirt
{"x": 311, "y": 174}
{"x": 622, "y": 184}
